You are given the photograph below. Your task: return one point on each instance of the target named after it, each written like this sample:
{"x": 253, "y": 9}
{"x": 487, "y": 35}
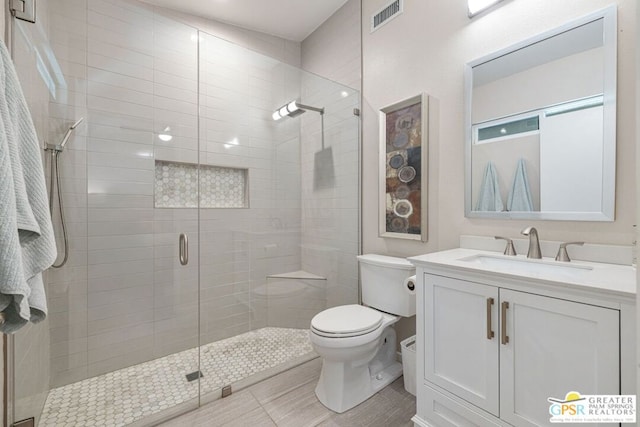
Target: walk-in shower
{"x": 134, "y": 336}
{"x": 55, "y": 187}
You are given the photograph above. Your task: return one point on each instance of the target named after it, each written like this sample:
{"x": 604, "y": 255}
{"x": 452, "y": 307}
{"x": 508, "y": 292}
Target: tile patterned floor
{"x": 289, "y": 399}
{"x": 128, "y": 395}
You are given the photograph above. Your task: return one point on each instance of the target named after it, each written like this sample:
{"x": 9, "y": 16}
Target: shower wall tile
{"x": 105, "y": 355}
{"x": 68, "y": 326}
{"x": 127, "y": 358}
{"x": 67, "y": 287}
{"x": 177, "y": 82}
{"x": 63, "y": 299}
{"x": 123, "y": 161}
{"x": 114, "y": 92}
{"x": 125, "y": 148}
{"x": 140, "y": 241}
{"x": 132, "y": 38}
{"x": 101, "y": 326}
{"x": 102, "y": 104}
{"x": 116, "y": 79}
{"x": 170, "y": 92}
{"x": 70, "y": 362}
{"x": 67, "y": 348}
{"x": 105, "y": 173}
{"x": 76, "y": 54}
{"x": 120, "y": 299}
{"x": 64, "y": 27}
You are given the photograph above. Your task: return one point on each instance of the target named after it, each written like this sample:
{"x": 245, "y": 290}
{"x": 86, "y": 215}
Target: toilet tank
{"x": 382, "y": 278}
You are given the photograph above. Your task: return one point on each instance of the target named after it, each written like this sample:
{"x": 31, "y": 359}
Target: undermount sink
{"x": 526, "y": 266}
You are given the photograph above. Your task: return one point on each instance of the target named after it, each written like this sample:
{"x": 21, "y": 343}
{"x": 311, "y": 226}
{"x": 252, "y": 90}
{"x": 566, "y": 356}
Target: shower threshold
{"x": 140, "y": 394}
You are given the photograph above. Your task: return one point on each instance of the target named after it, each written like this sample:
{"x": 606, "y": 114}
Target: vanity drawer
{"x": 438, "y": 410}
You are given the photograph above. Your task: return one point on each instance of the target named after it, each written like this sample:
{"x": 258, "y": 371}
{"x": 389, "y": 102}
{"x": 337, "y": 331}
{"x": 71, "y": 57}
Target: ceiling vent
{"x": 386, "y": 14}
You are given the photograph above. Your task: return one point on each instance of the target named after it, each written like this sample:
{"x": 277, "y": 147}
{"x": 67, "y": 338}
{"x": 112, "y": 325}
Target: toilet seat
{"x": 346, "y": 321}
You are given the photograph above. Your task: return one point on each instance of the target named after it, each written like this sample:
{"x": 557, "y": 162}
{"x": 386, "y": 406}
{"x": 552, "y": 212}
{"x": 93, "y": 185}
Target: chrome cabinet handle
{"x": 183, "y": 249}
{"x": 504, "y": 338}
{"x": 490, "y": 333}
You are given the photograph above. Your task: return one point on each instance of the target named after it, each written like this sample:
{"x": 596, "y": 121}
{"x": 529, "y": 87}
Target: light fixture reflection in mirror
{"x": 478, "y": 6}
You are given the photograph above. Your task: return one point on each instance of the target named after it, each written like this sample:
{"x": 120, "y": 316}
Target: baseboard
{"x": 419, "y": 422}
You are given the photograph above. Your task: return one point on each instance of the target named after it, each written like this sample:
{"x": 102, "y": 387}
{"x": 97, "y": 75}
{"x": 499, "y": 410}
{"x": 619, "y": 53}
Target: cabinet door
{"x": 554, "y": 347}
{"x": 459, "y": 355}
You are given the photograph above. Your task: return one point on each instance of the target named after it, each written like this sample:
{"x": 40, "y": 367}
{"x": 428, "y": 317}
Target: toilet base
{"x": 386, "y": 377}
{"x": 356, "y": 395}
{"x": 346, "y": 384}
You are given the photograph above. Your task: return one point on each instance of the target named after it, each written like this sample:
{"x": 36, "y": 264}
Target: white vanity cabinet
{"x": 553, "y": 345}
{"x": 459, "y": 356}
{"x": 492, "y": 349}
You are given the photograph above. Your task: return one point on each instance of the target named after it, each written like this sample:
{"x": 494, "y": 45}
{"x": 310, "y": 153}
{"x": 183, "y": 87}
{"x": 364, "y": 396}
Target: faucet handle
{"x": 563, "y": 255}
{"x": 509, "y": 249}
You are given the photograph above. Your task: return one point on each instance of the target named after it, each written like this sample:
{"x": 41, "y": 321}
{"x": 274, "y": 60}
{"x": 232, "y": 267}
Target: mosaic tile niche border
{"x": 176, "y": 186}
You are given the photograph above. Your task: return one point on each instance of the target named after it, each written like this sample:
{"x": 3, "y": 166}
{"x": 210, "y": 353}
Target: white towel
{"x": 489, "y": 199}
{"x": 520, "y": 195}
{"x": 27, "y": 245}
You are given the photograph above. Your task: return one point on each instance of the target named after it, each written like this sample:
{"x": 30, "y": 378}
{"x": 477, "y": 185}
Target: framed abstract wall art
{"x": 403, "y": 169}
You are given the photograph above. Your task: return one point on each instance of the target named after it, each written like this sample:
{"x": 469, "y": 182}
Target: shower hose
{"x": 55, "y": 182}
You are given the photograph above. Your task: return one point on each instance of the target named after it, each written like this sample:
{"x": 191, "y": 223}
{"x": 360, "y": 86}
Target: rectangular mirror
{"x": 541, "y": 125}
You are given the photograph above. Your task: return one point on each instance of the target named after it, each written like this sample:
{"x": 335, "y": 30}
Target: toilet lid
{"x": 347, "y": 320}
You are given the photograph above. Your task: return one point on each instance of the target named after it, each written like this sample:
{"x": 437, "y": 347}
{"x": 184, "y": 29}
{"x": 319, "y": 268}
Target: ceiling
{"x": 289, "y": 19}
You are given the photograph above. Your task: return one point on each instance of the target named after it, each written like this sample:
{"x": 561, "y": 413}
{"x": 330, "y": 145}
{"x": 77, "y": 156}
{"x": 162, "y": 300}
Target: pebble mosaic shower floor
{"x": 132, "y": 394}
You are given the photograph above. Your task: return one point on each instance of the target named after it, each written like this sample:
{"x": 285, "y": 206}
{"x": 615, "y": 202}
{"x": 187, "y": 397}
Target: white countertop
{"x": 610, "y": 278}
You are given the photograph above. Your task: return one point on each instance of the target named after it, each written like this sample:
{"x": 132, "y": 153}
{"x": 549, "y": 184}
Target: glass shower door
{"x": 143, "y": 221}
{"x": 120, "y": 344}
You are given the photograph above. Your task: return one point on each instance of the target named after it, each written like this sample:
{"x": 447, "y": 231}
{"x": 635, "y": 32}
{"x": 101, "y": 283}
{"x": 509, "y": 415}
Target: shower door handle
{"x": 183, "y": 249}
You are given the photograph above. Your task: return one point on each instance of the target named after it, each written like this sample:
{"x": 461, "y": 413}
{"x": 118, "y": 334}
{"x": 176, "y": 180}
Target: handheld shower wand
{"x": 55, "y": 181}
{"x": 65, "y": 138}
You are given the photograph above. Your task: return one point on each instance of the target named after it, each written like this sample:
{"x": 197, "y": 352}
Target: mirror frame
{"x": 610, "y": 35}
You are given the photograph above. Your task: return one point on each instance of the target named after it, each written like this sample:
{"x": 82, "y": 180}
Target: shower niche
{"x": 188, "y": 185}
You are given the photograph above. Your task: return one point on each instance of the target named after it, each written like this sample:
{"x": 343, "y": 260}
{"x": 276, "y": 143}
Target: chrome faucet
{"x": 534, "y": 243}
{"x": 563, "y": 255}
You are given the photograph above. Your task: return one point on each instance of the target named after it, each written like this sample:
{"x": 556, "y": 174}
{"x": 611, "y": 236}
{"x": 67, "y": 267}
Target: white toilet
{"x": 357, "y": 343}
